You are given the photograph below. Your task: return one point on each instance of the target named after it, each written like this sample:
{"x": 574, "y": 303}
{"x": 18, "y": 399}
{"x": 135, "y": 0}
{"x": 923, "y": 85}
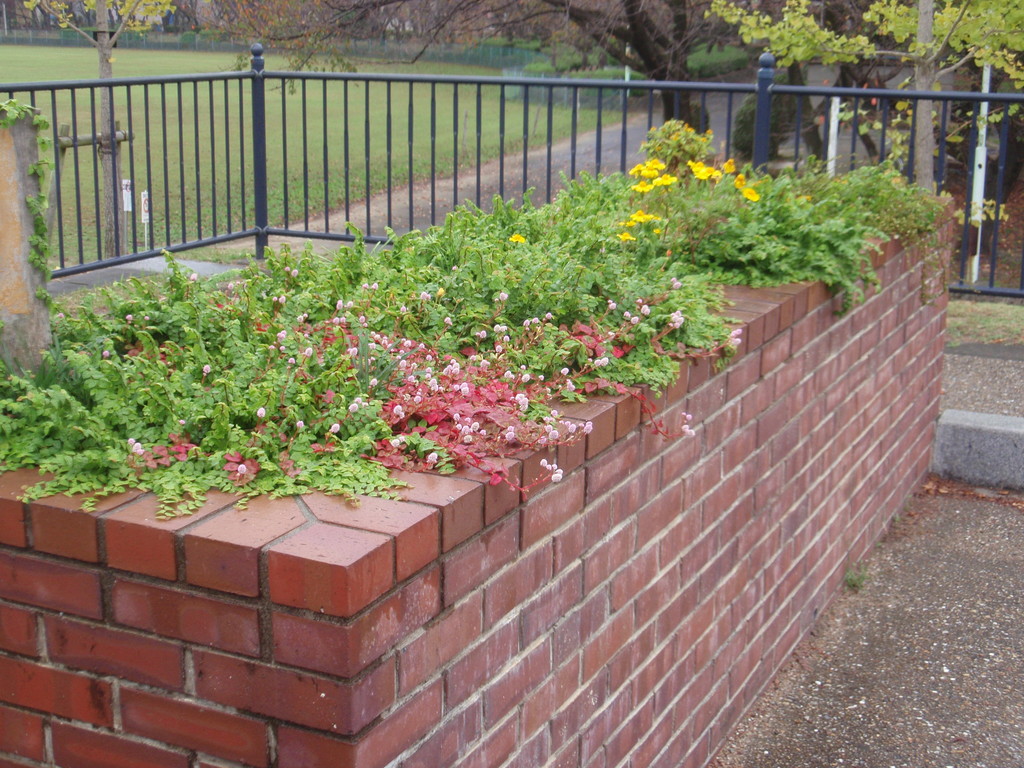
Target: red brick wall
{"x": 625, "y": 616}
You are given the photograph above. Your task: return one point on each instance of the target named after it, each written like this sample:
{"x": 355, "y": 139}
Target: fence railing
{"x": 204, "y": 160}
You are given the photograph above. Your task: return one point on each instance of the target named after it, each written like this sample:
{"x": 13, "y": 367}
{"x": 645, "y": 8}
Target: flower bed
{"x": 634, "y": 609}
{"x": 575, "y": 587}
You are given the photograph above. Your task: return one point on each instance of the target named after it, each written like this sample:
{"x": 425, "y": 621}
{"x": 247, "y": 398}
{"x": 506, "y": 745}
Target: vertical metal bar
{"x": 285, "y": 181}
{"x": 650, "y": 109}
{"x": 305, "y": 159}
{"x": 241, "y": 154}
{"x": 526, "y": 137}
{"x": 479, "y": 139}
{"x": 115, "y": 182}
{"x": 433, "y": 153}
{"x": 1004, "y": 138}
{"x": 388, "y": 121}
{"x": 181, "y": 164}
{"x": 728, "y": 127}
{"x": 213, "y": 160}
{"x": 134, "y": 247}
{"x": 574, "y": 131}
{"x": 704, "y": 117}
{"x": 882, "y": 147}
{"x": 854, "y": 128}
{"x": 409, "y": 135}
{"x": 941, "y": 164}
{"x": 259, "y": 150}
{"x": 96, "y": 175}
{"x": 347, "y": 155}
{"x": 913, "y": 141}
{"x": 366, "y": 147}
{"x": 501, "y": 141}
{"x": 762, "y": 119}
{"x": 57, "y": 173}
{"x": 326, "y": 162}
{"x": 227, "y": 155}
{"x": 624, "y": 134}
{"x": 600, "y": 131}
{"x": 455, "y": 144}
{"x": 798, "y": 130}
{"x": 965, "y": 233}
{"x": 78, "y": 175}
{"x": 198, "y": 159}
{"x": 548, "y": 140}
{"x": 167, "y": 167}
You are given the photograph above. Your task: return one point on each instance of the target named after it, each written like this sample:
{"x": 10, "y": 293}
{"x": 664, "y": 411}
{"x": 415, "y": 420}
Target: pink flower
{"x": 241, "y": 470}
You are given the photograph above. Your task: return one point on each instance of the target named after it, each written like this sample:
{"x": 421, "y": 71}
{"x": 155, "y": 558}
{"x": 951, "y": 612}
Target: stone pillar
{"x": 25, "y": 333}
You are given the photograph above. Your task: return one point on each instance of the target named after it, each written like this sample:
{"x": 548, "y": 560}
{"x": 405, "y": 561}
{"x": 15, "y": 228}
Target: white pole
{"x": 980, "y": 167}
{"x": 6, "y": 32}
{"x": 833, "y": 135}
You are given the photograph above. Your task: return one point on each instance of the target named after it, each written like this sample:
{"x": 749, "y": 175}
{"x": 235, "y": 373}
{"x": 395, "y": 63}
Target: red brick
{"x": 607, "y": 557}
{"x": 113, "y": 652}
{"x": 601, "y": 415}
{"x": 609, "y": 470}
{"x": 315, "y": 701}
{"x": 468, "y": 567}
{"x": 496, "y": 748}
{"x": 541, "y": 705}
{"x": 139, "y": 542}
{"x": 461, "y": 503}
{"x": 470, "y": 673}
{"x": 18, "y": 631}
{"x": 440, "y": 643}
{"x": 76, "y": 697}
{"x": 21, "y": 733}
{"x": 12, "y": 511}
{"x": 400, "y": 730}
{"x": 512, "y": 687}
{"x": 93, "y": 749}
{"x": 323, "y": 645}
{"x": 551, "y": 603}
{"x": 222, "y": 552}
{"x": 569, "y": 720}
{"x": 511, "y": 588}
{"x": 416, "y": 528}
{"x": 331, "y": 569}
{"x": 550, "y": 510}
{"x": 60, "y": 527}
{"x": 606, "y": 643}
{"x": 627, "y": 412}
{"x": 47, "y": 584}
{"x": 185, "y": 616}
{"x": 500, "y": 498}
{"x": 185, "y": 724}
{"x": 631, "y": 580}
{"x": 450, "y": 740}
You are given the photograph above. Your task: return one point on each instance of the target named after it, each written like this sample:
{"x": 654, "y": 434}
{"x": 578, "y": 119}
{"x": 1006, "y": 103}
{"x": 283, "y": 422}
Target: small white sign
{"x": 126, "y": 194}
{"x": 144, "y": 202}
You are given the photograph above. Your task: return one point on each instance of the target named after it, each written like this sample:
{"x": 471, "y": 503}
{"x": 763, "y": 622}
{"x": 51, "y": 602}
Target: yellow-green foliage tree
{"x": 934, "y": 37}
{"x": 127, "y": 15}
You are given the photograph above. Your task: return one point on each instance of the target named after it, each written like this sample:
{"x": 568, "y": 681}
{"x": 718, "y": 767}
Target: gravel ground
{"x": 985, "y": 378}
{"x": 924, "y": 666}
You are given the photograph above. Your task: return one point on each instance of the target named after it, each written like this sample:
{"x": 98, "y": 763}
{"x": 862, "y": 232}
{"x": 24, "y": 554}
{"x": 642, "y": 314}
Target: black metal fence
{"x": 200, "y": 161}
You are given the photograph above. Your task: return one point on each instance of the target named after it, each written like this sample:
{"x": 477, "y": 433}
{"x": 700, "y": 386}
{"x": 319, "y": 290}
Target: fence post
{"x": 762, "y": 116}
{"x": 259, "y": 149}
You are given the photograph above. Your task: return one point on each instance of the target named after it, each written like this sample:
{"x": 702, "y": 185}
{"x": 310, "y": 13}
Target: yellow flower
{"x": 751, "y": 194}
{"x": 740, "y": 181}
{"x": 636, "y": 170}
{"x": 643, "y": 186}
{"x": 665, "y": 180}
{"x": 729, "y": 166}
{"x": 517, "y": 238}
{"x": 657, "y": 231}
{"x": 805, "y": 198}
{"x": 704, "y": 172}
{"x": 640, "y": 217}
{"x": 649, "y": 173}
{"x": 656, "y": 164}
{"x": 625, "y": 236}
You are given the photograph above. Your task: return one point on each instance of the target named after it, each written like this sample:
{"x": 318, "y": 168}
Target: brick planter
{"x": 627, "y": 615}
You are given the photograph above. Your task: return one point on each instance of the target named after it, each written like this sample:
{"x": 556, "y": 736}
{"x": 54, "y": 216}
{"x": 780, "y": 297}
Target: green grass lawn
{"x": 327, "y": 142}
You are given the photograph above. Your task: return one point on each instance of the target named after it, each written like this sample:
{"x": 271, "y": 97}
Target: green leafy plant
{"x": 452, "y": 347}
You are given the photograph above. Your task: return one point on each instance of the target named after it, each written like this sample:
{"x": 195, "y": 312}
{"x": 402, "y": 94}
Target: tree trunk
{"x": 111, "y": 220}
{"x": 924, "y": 80}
